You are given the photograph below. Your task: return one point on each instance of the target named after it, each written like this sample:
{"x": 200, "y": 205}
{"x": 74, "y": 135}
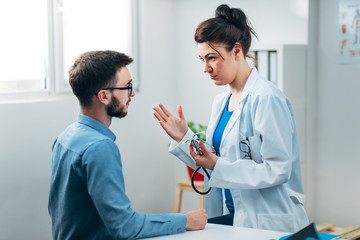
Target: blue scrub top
{"x": 226, "y": 115}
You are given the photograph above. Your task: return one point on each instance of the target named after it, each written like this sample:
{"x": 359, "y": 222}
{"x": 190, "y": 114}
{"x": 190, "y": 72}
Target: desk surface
{"x": 216, "y": 232}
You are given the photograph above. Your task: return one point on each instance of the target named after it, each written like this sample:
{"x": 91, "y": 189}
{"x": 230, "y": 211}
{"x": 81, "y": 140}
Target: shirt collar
{"x": 95, "y": 124}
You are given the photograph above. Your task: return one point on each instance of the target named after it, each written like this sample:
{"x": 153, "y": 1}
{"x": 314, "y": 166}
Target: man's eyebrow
{"x": 129, "y": 82}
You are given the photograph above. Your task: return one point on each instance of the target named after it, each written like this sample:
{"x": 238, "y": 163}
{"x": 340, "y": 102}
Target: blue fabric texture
{"x": 224, "y": 119}
{"x": 87, "y": 198}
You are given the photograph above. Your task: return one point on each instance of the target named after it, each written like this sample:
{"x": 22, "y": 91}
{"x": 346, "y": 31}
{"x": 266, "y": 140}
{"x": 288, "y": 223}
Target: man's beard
{"x": 113, "y": 109}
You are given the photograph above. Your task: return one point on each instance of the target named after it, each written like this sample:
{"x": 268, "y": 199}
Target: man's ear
{"x": 103, "y": 96}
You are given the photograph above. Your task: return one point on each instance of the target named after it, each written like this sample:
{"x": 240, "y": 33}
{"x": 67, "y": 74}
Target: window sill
{"x": 34, "y": 96}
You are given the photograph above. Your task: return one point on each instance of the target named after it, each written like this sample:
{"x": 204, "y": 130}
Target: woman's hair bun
{"x": 233, "y": 16}
{"x": 229, "y": 27}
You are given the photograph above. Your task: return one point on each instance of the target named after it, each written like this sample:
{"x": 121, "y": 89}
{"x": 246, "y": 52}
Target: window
{"x": 43, "y": 38}
{"x": 22, "y": 45}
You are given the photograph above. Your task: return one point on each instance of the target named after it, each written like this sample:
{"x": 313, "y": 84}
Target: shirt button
{"x": 179, "y": 230}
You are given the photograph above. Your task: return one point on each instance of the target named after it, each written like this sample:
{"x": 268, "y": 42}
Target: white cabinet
{"x": 285, "y": 65}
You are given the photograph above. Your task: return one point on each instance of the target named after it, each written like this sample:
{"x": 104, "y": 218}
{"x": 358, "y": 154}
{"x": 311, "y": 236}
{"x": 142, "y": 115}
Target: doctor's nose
{"x": 207, "y": 68}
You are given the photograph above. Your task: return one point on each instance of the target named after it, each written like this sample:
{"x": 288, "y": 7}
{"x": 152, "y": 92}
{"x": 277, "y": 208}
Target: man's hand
{"x": 196, "y": 219}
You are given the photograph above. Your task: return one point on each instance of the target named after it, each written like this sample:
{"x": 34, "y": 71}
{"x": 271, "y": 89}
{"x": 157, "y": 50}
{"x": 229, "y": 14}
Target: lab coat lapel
{"x": 249, "y": 85}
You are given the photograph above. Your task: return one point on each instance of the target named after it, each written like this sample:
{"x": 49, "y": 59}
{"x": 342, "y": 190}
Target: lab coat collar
{"x": 253, "y": 77}
{"x": 249, "y": 85}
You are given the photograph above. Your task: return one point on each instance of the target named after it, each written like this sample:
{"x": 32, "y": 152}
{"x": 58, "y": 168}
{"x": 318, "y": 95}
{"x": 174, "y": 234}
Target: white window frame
{"x": 54, "y": 82}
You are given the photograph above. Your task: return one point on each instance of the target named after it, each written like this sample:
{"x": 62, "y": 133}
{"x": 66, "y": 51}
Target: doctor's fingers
{"x": 201, "y": 161}
{"x": 196, "y": 156}
{"x": 159, "y": 114}
{"x": 180, "y": 112}
{"x": 164, "y": 123}
{"x": 208, "y": 158}
{"x": 165, "y": 111}
{"x": 191, "y": 151}
{"x": 202, "y": 146}
{"x": 201, "y": 151}
{"x": 205, "y": 162}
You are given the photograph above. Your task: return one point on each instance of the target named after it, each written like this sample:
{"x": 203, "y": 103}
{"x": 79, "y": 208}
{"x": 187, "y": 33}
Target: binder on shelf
{"x": 263, "y": 63}
{"x": 251, "y": 61}
{"x": 266, "y": 62}
{"x": 273, "y": 66}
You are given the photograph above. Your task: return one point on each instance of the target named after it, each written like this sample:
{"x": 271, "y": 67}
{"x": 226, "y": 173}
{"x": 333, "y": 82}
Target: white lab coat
{"x": 267, "y": 191}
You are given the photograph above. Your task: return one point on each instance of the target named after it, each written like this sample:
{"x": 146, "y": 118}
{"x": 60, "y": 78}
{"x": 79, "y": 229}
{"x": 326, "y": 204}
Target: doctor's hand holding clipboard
{"x": 255, "y": 176}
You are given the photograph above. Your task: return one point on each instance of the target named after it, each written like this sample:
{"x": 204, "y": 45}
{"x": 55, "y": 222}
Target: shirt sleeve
{"x": 105, "y": 182}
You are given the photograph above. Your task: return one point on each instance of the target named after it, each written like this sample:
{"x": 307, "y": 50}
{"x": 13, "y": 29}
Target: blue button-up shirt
{"x": 87, "y": 197}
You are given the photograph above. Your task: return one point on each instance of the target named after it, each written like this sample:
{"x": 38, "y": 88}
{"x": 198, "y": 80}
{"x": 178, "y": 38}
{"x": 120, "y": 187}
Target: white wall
{"x": 27, "y": 131}
{"x": 337, "y": 116}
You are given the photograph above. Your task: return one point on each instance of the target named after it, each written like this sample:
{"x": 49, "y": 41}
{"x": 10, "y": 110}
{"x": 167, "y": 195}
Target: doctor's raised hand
{"x": 177, "y": 128}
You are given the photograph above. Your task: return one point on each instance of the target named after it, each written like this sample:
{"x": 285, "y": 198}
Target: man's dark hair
{"x": 93, "y": 71}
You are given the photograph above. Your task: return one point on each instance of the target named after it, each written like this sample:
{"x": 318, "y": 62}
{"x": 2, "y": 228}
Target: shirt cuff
{"x": 179, "y": 222}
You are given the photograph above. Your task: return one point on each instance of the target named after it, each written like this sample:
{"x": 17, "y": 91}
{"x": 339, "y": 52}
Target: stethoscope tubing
{"x": 194, "y": 143}
{"x": 192, "y": 181}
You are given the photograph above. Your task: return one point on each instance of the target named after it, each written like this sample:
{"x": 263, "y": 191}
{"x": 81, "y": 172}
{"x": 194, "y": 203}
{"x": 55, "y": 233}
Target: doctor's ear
{"x": 237, "y": 49}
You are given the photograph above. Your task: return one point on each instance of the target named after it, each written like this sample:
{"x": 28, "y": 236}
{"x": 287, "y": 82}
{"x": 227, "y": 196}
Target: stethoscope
{"x": 195, "y": 143}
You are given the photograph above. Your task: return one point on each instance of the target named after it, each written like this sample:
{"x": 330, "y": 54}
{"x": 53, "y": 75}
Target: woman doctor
{"x": 255, "y": 178}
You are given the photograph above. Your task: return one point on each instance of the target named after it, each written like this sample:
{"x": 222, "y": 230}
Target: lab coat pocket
{"x": 255, "y": 144}
{"x": 276, "y": 222}
{"x": 296, "y": 197}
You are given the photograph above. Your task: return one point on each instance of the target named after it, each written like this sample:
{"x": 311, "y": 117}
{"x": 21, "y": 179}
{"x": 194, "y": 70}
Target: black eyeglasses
{"x": 245, "y": 148}
{"x": 129, "y": 88}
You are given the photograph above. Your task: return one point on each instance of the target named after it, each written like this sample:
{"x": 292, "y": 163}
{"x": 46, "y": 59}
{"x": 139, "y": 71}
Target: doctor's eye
{"x": 201, "y": 59}
{"x": 211, "y": 58}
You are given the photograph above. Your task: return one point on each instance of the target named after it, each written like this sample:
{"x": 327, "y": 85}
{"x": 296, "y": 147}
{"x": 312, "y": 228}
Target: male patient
{"x": 87, "y": 197}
